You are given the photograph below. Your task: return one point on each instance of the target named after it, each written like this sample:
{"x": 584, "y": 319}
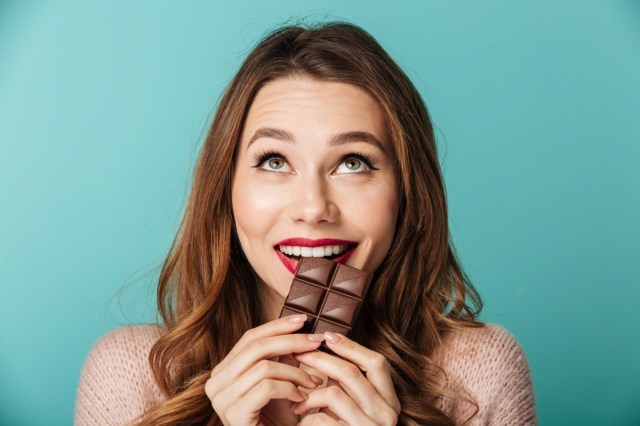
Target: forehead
{"x": 303, "y": 104}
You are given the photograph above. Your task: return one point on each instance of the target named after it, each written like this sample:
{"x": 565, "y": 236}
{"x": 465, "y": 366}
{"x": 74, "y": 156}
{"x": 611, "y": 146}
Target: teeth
{"x": 321, "y": 251}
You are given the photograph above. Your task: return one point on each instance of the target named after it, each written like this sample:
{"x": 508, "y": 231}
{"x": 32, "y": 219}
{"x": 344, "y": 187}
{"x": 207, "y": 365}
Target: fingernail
{"x": 293, "y": 406}
{"x": 315, "y": 337}
{"x": 331, "y": 337}
{"x": 304, "y": 395}
{"x": 317, "y": 380}
{"x": 295, "y": 319}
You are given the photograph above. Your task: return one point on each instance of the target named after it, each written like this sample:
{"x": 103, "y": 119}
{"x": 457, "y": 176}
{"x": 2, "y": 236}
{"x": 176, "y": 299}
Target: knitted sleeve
{"x": 489, "y": 367}
{"x": 116, "y": 384}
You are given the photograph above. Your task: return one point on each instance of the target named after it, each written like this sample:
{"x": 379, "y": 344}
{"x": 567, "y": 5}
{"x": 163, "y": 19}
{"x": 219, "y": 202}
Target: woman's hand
{"x": 351, "y": 397}
{"x": 246, "y": 380}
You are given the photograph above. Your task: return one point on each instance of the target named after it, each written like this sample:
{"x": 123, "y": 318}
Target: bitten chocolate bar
{"x": 330, "y": 293}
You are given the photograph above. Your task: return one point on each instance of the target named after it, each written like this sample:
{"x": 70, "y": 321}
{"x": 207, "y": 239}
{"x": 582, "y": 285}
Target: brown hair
{"x": 207, "y": 293}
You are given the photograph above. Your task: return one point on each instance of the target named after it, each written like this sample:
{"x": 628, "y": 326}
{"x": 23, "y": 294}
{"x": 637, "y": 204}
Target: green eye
{"x": 276, "y": 163}
{"x": 272, "y": 161}
{"x": 353, "y": 164}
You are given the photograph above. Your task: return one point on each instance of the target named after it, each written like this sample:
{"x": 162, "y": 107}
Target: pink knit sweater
{"x": 116, "y": 384}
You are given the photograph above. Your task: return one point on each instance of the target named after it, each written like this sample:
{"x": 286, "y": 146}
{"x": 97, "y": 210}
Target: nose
{"x": 312, "y": 202}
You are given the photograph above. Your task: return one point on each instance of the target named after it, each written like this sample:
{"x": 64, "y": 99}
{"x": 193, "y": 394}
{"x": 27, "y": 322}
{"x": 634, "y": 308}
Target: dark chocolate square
{"x": 330, "y": 293}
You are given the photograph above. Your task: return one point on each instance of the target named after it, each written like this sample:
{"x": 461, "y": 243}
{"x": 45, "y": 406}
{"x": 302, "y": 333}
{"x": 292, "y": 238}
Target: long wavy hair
{"x": 208, "y": 294}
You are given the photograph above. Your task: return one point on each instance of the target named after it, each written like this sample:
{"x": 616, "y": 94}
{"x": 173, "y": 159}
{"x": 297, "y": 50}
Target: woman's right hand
{"x": 246, "y": 380}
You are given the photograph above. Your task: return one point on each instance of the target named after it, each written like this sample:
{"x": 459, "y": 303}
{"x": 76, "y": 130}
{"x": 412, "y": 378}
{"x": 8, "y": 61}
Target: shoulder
{"x": 116, "y": 383}
{"x": 486, "y": 344}
{"x": 489, "y": 365}
{"x": 131, "y": 340}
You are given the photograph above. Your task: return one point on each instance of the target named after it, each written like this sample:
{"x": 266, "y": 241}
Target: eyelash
{"x": 260, "y": 158}
{"x": 367, "y": 159}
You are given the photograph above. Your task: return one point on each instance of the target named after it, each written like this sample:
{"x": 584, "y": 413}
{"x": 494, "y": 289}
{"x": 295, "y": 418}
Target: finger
{"x": 329, "y": 413}
{"x": 260, "y": 371}
{"x": 285, "y": 325}
{"x": 270, "y": 347}
{"x": 319, "y": 419}
{"x": 375, "y": 366}
{"x": 340, "y": 404}
{"x": 248, "y": 407}
{"x": 349, "y": 377}
{"x": 256, "y": 351}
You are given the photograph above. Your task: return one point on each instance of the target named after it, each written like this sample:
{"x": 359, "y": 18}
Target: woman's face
{"x": 313, "y": 176}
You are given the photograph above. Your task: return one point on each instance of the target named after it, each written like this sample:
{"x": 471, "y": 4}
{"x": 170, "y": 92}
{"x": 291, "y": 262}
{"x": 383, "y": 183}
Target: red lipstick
{"x": 291, "y": 263}
{"x": 307, "y": 242}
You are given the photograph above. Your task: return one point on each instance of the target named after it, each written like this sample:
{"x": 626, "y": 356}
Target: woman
{"x": 319, "y": 141}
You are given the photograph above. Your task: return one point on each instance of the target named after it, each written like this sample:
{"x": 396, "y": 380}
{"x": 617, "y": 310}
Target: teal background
{"x": 103, "y": 106}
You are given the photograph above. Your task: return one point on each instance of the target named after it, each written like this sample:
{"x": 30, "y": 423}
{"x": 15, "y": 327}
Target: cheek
{"x": 381, "y": 210}
{"x": 383, "y": 224}
{"x": 375, "y": 214}
{"x": 254, "y": 209}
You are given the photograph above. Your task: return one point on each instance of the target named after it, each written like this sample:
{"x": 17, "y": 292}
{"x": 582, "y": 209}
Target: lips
{"x": 290, "y": 250}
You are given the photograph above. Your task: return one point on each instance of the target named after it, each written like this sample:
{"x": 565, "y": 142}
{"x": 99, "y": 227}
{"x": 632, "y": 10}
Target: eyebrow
{"x": 347, "y": 137}
{"x": 271, "y": 133}
{"x": 339, "y": 139}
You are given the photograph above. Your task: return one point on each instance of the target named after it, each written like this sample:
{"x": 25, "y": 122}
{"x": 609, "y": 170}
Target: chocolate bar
{"x": 330, "y": 293}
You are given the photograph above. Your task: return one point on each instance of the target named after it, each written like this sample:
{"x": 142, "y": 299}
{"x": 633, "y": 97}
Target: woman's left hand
{"x": 350, "y": 397}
